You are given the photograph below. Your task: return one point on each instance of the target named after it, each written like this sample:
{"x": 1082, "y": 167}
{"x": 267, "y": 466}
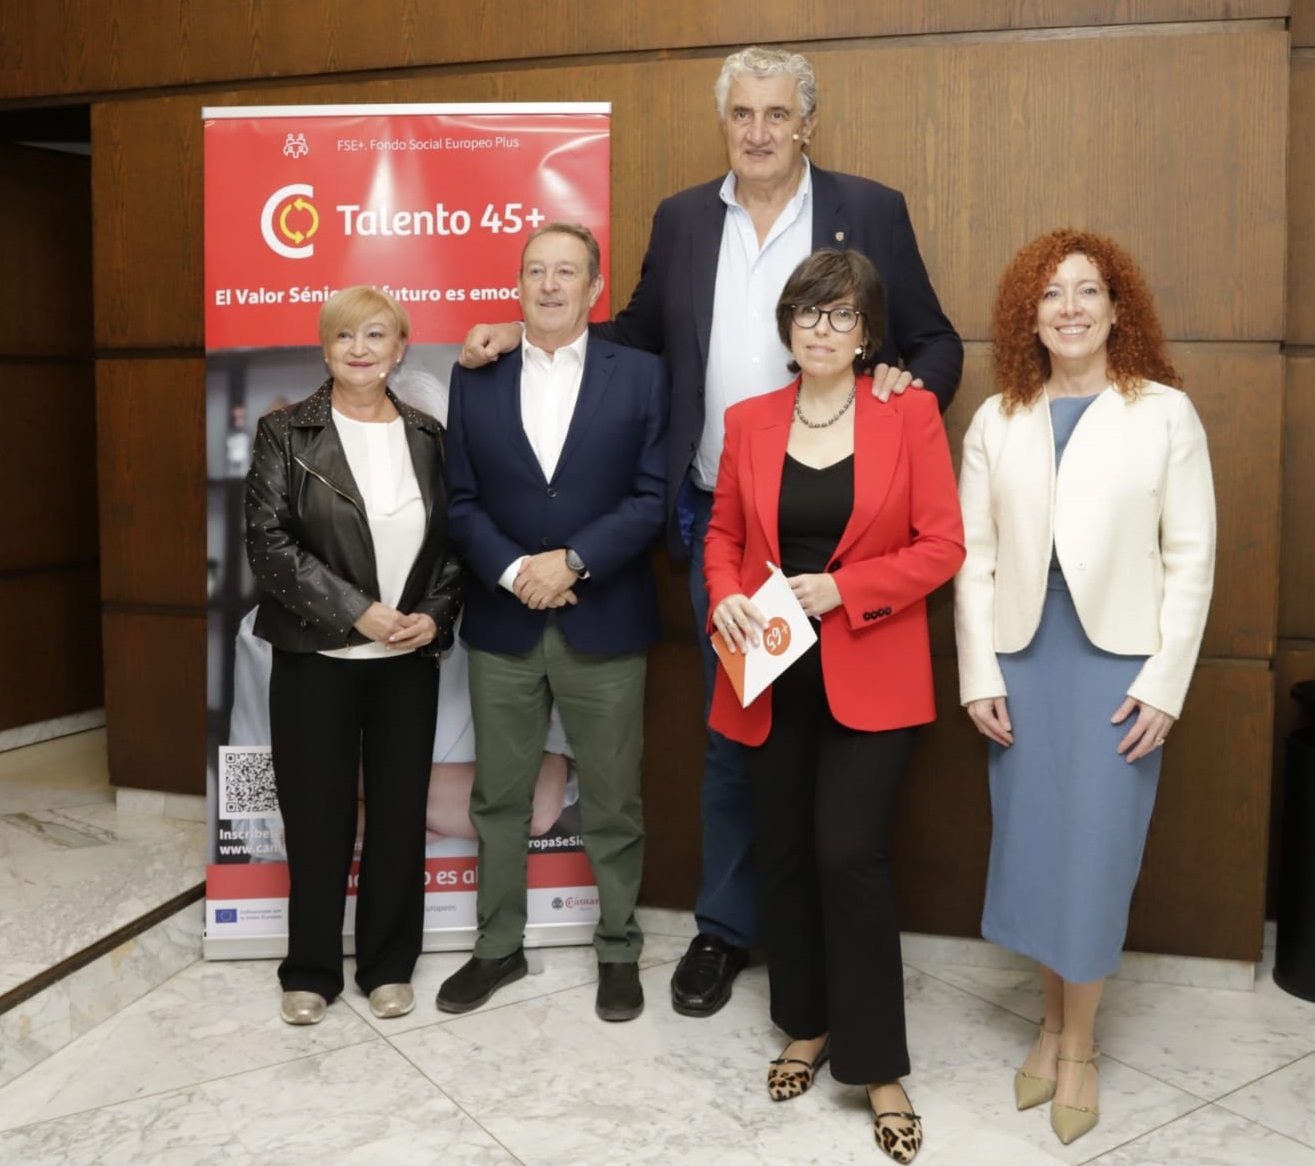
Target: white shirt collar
{"x": 727, "y": 192}
{"x": 530, "y": 352}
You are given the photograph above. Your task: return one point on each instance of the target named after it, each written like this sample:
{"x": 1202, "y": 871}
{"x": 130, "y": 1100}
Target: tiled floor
{"x": 200, "y": 1070}
{"x": 73, "y": 867}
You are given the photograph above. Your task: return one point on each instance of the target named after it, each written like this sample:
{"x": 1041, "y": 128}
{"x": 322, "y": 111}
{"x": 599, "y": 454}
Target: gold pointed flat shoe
{"x": 1031, "y": 1090}
{"x": 389, "y": 1000}
{"x": 1070, "y": 1122}
{"x": 302, "y": 1007}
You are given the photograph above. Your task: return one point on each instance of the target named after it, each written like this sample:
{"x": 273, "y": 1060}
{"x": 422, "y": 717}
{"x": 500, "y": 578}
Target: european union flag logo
{"x": 225, "y": 914}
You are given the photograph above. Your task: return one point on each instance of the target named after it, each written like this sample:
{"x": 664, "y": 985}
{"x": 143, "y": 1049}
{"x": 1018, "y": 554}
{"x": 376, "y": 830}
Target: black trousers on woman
{"x": 823, "y": 798}
{"x": 330, "y": 720}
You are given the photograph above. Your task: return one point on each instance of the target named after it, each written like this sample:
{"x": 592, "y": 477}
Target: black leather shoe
{"x": 703, "y": 978}
{"x": 477, "y": 979}
{"x": 620, "y": 994}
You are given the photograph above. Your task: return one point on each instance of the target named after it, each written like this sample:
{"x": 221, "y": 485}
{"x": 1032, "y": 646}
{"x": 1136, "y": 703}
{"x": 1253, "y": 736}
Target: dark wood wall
{"x": 50, "y": 664}
{"x": 1162, "y": 122}
{"x": 1295, "y": 657}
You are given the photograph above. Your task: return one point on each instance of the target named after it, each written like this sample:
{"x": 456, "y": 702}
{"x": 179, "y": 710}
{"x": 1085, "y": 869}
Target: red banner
{"x": 434, "y": 207}
{"x": 432, "y": 204}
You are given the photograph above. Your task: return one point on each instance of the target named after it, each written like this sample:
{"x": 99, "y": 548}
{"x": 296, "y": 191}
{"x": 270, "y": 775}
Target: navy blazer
{"x": 670, "y": 311}
{"x": 606, "y": 500}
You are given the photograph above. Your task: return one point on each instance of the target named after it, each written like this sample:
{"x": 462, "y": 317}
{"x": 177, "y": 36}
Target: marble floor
{"x": 198, "y": 1070}
{"x": 74, "y": 866}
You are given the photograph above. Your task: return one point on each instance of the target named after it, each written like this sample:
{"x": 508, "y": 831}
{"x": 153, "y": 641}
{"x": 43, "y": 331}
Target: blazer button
{"x": 833, "y": 567}
{"x": 885, "y": 611}
{"x": 551, "y": 492}
{"x": 543, "y": 542}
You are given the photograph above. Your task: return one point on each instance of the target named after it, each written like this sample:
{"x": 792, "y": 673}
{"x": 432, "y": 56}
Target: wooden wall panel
{"x": 48, "y": 466}
{"x": 50, "y": 664}
{"x": 1302, "y": 24}
{"x": 147, "y": 185}
{"x": 155, "y": 700}
{"x": 1202, "y": 889}
{"x": 1301, "y": 202}
{"x": 87, "y": 46}
{"x": 1297, "y": 581}
{"x": 674, "y": 737}
{"x": 152, "y": 482}
{"x": 45, "y": 237}
{"x": 50, "y": 628}
{"x": 961, "y": 144}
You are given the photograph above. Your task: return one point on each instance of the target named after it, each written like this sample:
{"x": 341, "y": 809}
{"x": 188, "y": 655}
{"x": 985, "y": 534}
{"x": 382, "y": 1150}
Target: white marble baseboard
{"x": 43, "y": 1024}
{"x": 1143, "y": 967}
{"x": 160, "y": 804}
{"x": 21, "y": 735}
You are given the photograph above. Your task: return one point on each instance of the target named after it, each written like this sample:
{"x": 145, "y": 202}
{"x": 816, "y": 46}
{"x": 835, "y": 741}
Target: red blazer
{"x": 904, "y": 539}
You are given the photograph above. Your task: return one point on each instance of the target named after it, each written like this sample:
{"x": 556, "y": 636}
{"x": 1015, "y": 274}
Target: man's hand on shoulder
{"x": 486, "y": 342}
{"x": 887, "y": 379}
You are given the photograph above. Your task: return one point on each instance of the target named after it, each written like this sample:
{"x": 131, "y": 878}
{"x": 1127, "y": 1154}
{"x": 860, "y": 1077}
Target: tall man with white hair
{"x": 718, "y": 256}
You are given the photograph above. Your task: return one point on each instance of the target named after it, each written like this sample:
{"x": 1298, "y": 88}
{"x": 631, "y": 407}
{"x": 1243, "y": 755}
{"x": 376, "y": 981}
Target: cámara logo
{"x": 289, "y": 221}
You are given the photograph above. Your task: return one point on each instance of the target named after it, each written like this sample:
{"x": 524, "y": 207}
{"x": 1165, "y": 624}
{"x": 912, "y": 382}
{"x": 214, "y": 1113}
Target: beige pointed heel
{"x": 1070, "y": 1122}
{"x": 1029, "y": 1089}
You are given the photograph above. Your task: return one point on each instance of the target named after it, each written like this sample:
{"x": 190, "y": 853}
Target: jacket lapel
{"x": 830, "y": 228}
{"x": 507, "y": 386}
{"x": 767, "y": 460}
{"x": 599, "y": 365}
{"x": 705, "y": 247}
{"x": 878, "y": 435}
{"x": 323, "y": 454}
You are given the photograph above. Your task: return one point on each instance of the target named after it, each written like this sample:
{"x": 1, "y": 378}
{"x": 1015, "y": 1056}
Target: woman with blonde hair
{"x": 347, "y": 539}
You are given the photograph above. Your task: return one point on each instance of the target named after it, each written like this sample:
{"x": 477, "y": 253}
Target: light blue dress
{"x": 1069, "y": 815}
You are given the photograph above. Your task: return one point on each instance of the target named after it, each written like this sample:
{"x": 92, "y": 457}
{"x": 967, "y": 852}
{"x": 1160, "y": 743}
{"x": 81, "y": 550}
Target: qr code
{"x": 246, "y": 782}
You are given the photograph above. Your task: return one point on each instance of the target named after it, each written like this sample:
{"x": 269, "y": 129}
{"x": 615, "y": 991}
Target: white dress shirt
{"x": 550, "y": 387}
{"x": 745, "y": 355}
{"x": 380, "y": 461}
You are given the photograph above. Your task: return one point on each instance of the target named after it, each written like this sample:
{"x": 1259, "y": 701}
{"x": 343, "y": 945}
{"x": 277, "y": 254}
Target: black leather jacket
{"x": 308, "y": 541}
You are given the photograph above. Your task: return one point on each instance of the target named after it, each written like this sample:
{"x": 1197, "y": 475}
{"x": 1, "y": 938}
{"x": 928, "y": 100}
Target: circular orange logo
{"x": 776, "y": 636}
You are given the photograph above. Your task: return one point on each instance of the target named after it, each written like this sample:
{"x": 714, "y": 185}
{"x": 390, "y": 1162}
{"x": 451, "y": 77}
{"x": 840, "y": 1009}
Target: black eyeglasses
{"x": 841, "y": 319}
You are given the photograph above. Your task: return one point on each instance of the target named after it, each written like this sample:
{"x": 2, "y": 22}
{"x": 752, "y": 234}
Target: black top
{"x": 814, "y": 508}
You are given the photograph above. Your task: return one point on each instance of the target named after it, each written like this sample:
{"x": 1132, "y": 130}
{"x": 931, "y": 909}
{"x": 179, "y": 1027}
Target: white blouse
{"x": 380, "y": 461}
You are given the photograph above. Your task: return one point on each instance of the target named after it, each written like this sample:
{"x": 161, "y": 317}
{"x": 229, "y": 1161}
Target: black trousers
{"x": 331, "y": 719}
{"x": 823, "y": 798}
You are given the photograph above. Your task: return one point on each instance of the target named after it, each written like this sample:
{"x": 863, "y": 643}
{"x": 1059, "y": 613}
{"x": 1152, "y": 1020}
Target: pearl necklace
{"x": 839, "y": 413}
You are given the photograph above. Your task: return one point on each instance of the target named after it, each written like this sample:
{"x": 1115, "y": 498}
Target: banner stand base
{"x": 267, "y": 947}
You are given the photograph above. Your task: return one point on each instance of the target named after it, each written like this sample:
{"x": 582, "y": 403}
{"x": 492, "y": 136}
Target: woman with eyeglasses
{"x": 855, "y": 498}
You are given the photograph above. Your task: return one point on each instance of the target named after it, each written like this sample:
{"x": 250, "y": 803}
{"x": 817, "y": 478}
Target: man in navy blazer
{"x": 718, "y": 256}
{"x": 557, "y": 468}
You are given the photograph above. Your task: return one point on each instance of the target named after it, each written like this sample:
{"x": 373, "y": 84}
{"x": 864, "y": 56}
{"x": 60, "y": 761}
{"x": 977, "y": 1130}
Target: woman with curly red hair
{"x": 1089, "y": 520}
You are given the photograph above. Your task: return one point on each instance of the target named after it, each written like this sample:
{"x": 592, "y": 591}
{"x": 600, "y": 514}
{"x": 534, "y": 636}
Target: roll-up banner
{"x": 431, "y": 203}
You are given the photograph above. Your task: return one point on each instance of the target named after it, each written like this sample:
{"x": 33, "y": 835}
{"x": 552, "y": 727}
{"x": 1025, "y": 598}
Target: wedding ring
{"x": 1159, "y": 741}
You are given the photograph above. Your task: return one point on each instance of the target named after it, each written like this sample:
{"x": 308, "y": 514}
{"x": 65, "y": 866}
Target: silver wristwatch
{"x": 576, "y": 563}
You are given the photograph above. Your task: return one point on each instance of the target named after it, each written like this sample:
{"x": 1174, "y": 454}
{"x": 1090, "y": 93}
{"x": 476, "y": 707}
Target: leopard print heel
{"x": 898, "y": 1132}
{"x": 783, "y": 1084}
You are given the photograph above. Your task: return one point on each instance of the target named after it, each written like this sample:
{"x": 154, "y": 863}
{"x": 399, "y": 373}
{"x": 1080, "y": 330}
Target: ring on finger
{"x": 1159, "y": 741}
